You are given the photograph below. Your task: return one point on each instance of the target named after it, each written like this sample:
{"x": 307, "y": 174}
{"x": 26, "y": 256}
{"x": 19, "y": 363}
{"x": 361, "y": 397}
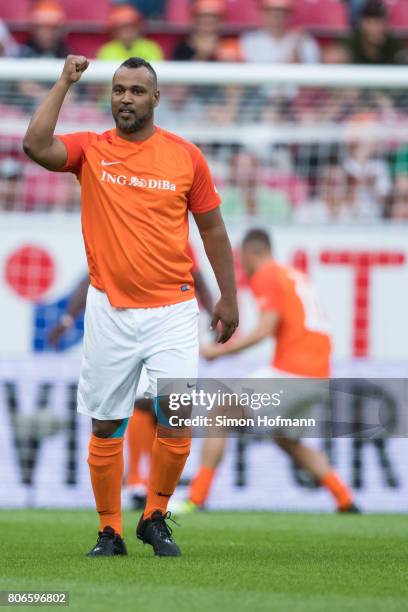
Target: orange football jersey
{"x": 303, "y": 343}
{"x": 135, "y": 202}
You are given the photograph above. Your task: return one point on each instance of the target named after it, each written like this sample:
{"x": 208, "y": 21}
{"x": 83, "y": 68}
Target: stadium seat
{"x": 398, "y": 14}
{"x": 321, "y": 14}
{"x": 241, "y": 13}
{"x": 178, "y": 12}
{"x": 15, "y": 11}
{"x": 86, "y": 43}
{"x": 89, "y": 11}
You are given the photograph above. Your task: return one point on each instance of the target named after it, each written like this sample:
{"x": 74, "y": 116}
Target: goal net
{"x": 290, "y": 144}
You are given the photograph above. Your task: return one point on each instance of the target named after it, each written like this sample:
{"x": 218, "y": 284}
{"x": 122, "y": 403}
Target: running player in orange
{"x": 289, "y": 311}
{"x": 138, "y": 184}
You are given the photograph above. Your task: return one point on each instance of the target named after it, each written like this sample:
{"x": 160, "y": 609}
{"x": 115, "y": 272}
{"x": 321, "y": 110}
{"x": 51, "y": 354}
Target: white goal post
{"x": 219, "y": 73}
{"x": 207, "y": 75}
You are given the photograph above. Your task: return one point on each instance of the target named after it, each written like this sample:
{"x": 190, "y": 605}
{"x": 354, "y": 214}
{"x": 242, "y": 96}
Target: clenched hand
{"x": 74, "y": 67}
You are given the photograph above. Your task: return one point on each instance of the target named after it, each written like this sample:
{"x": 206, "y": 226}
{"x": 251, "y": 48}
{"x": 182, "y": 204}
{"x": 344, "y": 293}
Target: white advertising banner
{"x": 361, "y": 275}
{"x": 44, "y": 442}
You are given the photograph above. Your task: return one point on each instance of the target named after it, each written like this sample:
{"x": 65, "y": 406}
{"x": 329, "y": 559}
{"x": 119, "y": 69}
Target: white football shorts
{"x": 271, "y": 372}
{"x": 118, "y": 342}
{"x": 293, "y": 402}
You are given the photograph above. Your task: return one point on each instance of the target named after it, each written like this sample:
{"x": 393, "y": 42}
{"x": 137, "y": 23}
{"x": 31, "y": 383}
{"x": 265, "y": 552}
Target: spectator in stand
{"x": 8, "y": 46}
{"x": 399, "y": 207}
{"x": 47, "y": 37}
{"x": 372, "y": 42}
{"x": 125, "y": 24}
{"x": 354, "y": 10}
{"x": 247, "y": 195}
{"x": 368, "y": 174}
{"x": 276, "y": 42}
{"x": 399, "y": 165}
{"x": 150, "y": 9}
{"x": 179, "y": 106}
{"x": 205, "y": 44}
{"x": 335, "y": 54}
{"x": 47, "y": 40}
{"x": 11, "y": 174}
{"x": 331, "y": 204}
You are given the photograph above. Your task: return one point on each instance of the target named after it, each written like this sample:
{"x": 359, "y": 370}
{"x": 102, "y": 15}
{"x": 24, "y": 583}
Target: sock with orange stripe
{"x": 338, "y": 489}
{"x": 201, "y": 485}
{"x": 140, "y": 437}
{"x": 168, "y": 460}
{"x": 105, "y": 461}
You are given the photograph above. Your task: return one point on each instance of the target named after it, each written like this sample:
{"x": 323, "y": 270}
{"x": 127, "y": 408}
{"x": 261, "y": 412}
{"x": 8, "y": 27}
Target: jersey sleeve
{"x": 75, "y": 145}
{"x": 203, "y": 195}
{"x": 267, "y": 292}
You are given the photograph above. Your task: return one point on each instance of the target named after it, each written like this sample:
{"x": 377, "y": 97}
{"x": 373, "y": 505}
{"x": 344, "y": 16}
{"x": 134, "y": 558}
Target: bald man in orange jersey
{"x": 138, "y": 183}
{"x": 142, "y": 425}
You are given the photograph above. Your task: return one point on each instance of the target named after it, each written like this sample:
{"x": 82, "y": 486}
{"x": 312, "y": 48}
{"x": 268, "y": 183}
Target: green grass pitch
{"x": 231, "y": 561}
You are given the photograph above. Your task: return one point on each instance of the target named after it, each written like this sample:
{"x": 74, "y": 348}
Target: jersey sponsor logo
{"x": 109, "y": 163}
{"x": 137, "y": 181}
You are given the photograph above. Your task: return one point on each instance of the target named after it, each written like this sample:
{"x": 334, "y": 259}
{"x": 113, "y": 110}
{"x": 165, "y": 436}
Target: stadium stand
{"x": 318, "y": 14}
{"x": 295, "y": 171}
{"x": 323, "y": 15}
{"x": 77, "y": 12}
{"x": 87, "y": 21}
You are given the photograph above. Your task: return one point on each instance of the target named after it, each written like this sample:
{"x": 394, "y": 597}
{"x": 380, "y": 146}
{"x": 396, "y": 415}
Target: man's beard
{"x": 135, "y": 124}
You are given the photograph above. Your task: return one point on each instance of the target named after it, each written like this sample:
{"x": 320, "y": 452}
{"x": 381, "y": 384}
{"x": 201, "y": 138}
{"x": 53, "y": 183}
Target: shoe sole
{"x": 116, "y": 554}
{"x": 157, "y": 554}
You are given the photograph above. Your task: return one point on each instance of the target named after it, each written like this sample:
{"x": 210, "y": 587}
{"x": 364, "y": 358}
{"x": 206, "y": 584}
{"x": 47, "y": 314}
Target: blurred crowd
{"x": 369, "y": 41}
{"x": 353, "y": 177}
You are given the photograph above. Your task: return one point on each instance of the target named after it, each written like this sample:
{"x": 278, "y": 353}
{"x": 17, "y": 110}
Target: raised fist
{"x": 74, "y": 66}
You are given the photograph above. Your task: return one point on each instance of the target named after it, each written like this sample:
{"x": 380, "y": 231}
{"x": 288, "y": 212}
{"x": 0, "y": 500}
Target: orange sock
{"x": 200, "y": 486}
{"x": 168, "y": 460}
{"x": 106, "y": 466}
{"x": 338, "y": 489}
{"x": 140, "y": 435}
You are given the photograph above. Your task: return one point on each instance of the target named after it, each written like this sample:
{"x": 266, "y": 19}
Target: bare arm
{"x": 266, "y": 327}
{"x": 75, "y": 306}
{"x": 77, "y": 302}
{"x": 39, "y": 141}
{"x": 203, "y": 293}
{"x": 218, "y": 249}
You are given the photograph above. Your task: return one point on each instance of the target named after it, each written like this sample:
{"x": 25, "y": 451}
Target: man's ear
{"x": 156, "y": 98}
